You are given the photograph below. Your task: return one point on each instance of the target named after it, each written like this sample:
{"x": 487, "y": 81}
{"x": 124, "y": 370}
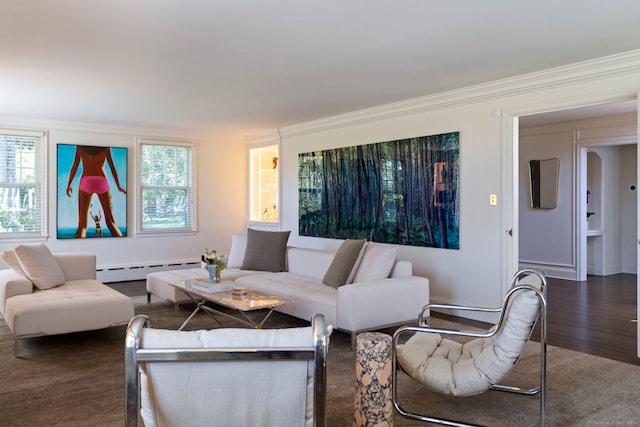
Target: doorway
{"x": 577, "y": 245}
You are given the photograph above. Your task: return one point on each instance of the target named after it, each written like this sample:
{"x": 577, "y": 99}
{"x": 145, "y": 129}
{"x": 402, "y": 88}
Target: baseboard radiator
{"x": 123, "y": 273}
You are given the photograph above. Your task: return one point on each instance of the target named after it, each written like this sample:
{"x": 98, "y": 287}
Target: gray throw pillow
{"x": 266, "y": 250}
{"x": 347, "y": 256}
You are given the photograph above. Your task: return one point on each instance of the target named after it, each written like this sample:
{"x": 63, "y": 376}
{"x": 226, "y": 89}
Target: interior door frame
{"x": 638, "y": 227}
{"x": 510, "y": 157}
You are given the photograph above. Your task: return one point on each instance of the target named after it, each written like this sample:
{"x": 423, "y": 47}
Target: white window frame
{"x": 191, "y": 229}
{"x": 42, "y": 193}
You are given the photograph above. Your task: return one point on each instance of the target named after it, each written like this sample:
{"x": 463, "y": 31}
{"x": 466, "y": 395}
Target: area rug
{"x": 77, "y": 380}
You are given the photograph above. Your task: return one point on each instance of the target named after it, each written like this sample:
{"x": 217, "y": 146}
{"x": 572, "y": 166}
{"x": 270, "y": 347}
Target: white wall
{"x": 629, "y": 208}
{"x": 483, "y": 115}
{"x": 611, "y": 248}
{"x": 547, "y": 236}
{"x": 453, "y": 277}
{"x": 221, "y": 186}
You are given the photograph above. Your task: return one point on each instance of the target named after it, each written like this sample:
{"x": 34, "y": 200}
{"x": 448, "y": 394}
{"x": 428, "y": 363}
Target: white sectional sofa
{"x": 383, "y": 293}
{"x": 48, "y": 294}
{"x": 378, "y": 291}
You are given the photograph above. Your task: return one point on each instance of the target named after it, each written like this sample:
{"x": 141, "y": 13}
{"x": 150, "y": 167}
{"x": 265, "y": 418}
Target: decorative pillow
{"x": 376, "y": 263}
{"x": 238, "y": 247}
{"x": 9, "y": 258}
{"x": 344, "y": 263}
{"x": 40, "y": 266}
{"x": 266, "y": 250}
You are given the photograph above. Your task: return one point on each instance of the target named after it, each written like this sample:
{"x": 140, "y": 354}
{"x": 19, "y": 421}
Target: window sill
{"x": 165, "y": 233}
{"x": 23, "y": 238}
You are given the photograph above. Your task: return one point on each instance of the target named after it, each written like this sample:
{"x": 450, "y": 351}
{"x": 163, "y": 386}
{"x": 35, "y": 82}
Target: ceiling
{"x": 245, "y": 66}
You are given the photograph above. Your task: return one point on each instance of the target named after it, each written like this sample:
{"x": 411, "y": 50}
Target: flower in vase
{"x": 210, "y": 257}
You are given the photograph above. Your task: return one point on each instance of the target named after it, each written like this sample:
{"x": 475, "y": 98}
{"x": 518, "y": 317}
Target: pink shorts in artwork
{"x": 94, "y": 184}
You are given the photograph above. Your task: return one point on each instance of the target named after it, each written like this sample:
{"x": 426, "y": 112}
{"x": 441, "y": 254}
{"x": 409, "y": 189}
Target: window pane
{"x": 21, "y": 173}
{"x": 18, "y": 156}
{"x": 164, "y": 165}
{"x": 163, "y": 208}
{"x": 18, "y": 209}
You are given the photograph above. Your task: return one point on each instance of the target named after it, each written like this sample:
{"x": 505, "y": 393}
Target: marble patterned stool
{"x": 373, "y": 406}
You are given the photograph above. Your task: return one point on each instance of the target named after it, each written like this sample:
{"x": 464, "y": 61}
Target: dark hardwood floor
{"x": 596, "y": 316}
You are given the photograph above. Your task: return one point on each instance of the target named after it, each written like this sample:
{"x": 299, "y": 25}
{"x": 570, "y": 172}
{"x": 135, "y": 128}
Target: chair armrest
{"x": 12, "y": 284}
{"x": 375, "y": 303}
{"x": 77, "y": 266}
{"x": 480, "y": 333}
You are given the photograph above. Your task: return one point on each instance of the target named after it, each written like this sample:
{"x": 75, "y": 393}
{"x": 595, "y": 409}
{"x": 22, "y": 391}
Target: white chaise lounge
{"x": 46, "y": 294}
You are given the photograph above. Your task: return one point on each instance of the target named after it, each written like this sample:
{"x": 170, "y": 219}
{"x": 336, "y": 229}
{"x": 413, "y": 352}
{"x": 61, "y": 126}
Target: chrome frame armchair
{"x": 138, "y": 358}
{"x": 524, "y": 280}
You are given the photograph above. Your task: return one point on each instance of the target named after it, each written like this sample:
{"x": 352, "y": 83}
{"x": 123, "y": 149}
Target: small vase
{"x": 214, "y": 275}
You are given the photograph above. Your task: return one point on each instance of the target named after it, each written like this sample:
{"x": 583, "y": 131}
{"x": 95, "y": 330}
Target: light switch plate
{"x": 493, "y": 199}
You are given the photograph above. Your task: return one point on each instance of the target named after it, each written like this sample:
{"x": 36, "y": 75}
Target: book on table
{"x": 205, "y": 286}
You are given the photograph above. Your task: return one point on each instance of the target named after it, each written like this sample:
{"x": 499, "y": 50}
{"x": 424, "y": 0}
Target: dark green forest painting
{"x": 403, "y": 192}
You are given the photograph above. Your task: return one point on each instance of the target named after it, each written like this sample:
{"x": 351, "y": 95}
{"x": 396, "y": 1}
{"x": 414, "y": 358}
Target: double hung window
{"x": 166, "y": 199}
{"x": 22, "y": 174}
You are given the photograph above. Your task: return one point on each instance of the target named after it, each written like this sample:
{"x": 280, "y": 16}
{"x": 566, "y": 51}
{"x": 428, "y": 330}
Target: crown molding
{"x": 595, "y": 69}
{"x": 92, "y": 128}
{"x": 267, "y": 137}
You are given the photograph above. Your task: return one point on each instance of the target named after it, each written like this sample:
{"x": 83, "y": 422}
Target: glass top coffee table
{"x": 223, "y": 294}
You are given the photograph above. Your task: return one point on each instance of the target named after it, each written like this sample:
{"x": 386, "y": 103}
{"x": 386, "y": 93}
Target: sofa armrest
{"x": 12, "y": 284}
{"x": 77, "y": 266}
{"x": 376, "y": 303}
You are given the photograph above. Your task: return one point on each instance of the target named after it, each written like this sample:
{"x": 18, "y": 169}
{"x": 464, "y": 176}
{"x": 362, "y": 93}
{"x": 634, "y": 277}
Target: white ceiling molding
{"x": 581, "y": 72}
{"x": 268, "y": 137}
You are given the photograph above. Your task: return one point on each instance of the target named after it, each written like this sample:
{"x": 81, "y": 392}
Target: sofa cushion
{"x": 266, "y": 250}
{"x": 40, "y": 266}
{"x": 244, "y": 382}
{"x": 77, "y": 305}
{"x": 309, "y": 262}
{"x": 10, "y": 258}
{"x": 376, "y": 263}
{"x": 308, "y": 295}
{"x": 238, "y": 247}
{"x": 344, "y": 264}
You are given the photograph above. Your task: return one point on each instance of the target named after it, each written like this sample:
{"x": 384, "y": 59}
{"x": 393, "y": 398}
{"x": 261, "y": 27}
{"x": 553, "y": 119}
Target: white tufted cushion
{"x": 78, "y": 305}
{"x": 462, "y": 370}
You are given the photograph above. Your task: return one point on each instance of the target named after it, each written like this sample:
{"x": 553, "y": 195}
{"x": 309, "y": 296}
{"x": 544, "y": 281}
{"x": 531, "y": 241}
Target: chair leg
{"x": 148, "y": 297}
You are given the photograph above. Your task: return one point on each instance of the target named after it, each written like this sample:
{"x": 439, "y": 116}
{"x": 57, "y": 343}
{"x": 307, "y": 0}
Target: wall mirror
{"x": 543, "y": 175}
